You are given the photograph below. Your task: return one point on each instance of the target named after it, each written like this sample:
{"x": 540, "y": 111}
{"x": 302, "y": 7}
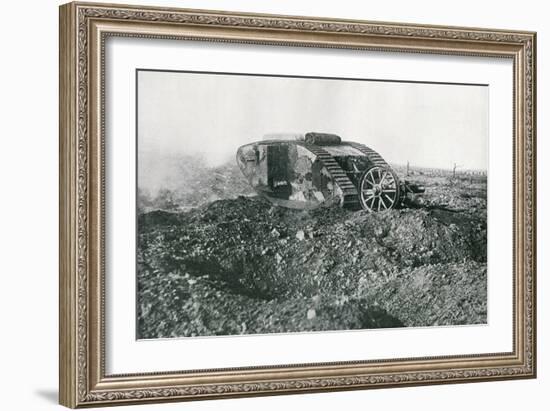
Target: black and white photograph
{"x": 283, "y": 204}
{"x": 272, "y": 200}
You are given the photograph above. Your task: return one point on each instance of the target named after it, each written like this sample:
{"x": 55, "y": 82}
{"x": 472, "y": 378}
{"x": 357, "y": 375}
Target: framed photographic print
{"x": 259, "y": 204}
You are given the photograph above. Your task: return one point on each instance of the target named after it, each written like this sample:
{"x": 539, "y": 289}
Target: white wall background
{"x": 28, "y": 207}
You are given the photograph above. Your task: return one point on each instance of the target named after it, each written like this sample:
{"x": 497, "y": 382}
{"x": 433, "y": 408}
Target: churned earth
{"x": 243, "y": 266}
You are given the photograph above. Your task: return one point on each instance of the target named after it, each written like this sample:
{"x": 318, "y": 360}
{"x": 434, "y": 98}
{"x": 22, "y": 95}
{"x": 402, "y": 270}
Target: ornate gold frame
{"x": 83, "y": 30}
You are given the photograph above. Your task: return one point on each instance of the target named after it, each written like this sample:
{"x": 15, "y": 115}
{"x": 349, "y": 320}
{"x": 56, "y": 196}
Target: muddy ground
{"x": 241, "y": 265}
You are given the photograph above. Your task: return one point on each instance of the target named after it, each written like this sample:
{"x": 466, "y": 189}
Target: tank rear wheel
{"x": 378, "y": 189}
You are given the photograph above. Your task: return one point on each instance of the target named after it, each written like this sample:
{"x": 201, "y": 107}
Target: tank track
{"x": 375, "y": 158}
{"x": 350, "y": 194}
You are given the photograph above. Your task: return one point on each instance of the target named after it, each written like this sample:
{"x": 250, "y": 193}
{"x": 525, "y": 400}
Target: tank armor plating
{"x": 319, "y": 169}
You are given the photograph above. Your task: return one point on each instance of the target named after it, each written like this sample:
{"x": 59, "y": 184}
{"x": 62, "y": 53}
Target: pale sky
{"x": 429, "y": 125}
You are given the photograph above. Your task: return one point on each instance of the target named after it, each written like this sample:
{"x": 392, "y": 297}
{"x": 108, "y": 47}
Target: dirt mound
{"x": 245, "y": 266}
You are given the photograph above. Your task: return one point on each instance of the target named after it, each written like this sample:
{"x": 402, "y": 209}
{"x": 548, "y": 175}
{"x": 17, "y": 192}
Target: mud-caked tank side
{"x": 288, "y": 174}
{"x": 346, "y": 191}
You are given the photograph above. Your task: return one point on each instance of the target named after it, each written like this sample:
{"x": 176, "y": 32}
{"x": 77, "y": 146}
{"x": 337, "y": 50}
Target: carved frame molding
{"x": 83, "y": 30}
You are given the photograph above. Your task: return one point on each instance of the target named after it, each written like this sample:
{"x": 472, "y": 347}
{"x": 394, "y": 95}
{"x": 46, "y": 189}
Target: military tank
{"x": 319, "y": 169}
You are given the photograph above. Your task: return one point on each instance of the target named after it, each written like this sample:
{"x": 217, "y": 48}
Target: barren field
{"x": 223, "y": 261}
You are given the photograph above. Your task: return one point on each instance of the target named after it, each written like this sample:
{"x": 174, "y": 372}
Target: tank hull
{"x": 320, "y": 169}
{"x": 289, "y": 174}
